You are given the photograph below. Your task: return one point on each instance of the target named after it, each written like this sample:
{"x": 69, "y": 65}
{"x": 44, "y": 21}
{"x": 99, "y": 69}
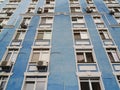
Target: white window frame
{"x": 35, "y": 80}
{"x": 84, "y": 51}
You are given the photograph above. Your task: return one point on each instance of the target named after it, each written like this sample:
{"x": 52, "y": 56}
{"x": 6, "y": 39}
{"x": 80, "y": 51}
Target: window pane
{"x": 77, "y": 36}
{"x": 96, "y": 86}
{"x": 35, "y": 56}
{"x": 106, "y": 35}
{"x": 80, "y": 57}
{"x": 84, "y": 86}
{"x": 40, "y": 85}
{"x": 110, "y": 57}
{"x": 2, "y": 85}
{"x": 84, "y": 35}
{"x": 102, "y": 36}
{"x": 116, "y": 58}
{"x": 29, "y": 86}
{"x": 44, "y": 56}
{"x": 22, "y": 34}
{"x": 40, "y": 36}
{"x": 14, "y": 56}
{"x": 47, "y": 35}
{"x": 17, "y": 36}
{"x": 8, "y": 56}
{"x": 89, "y": 57}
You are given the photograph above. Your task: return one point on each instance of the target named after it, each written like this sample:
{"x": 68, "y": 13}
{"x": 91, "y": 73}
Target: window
{"x": 11, "y": 55}
{"x": 90, "y": 83}
{"x": 18, "y": 37}
{"x": 40, "y": 55}
{"x": 84, "y": 56}
{"x": 30, "y": 10}
{"x": 100, "y": 25}
{"x": 118, "y": 78}
{"x": 25, "y": 22}
{"x": 3, "y": 22}
{"x": 8, "y": 60}
{"x": 35, "y": 83}
{"x": 118, "y": 19}
{"x": 34, "y": 1}
{"x": 74, "y": 1}
{"x": 50, "y": 1}
{"x": 89, "y": 1}
{"x": 105, "y": 37}
{"x": 75, "y": 10}
{"x": 97, "y": 19}
{"x": 78, "y": 20}
{"x": 46, "y": 20}
{"x": 48, "y": 9}
{"x": 3, "y": 82}
{"x": 9, "y": 11}
{"x": 43, "y": 37}
{"x": 113, "y": 55}
{"x": 39, "y": 60}
{"x": 81, "y": 37}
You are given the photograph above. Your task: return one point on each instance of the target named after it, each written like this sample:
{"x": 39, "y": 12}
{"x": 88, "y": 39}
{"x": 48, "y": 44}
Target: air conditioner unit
{"x": 40, "y": 10}
{"x": 41, "y": 66}
{"x": 1, "y": 27}
{"x": 111, "y": 12}
{"x": 6, "y": 65}
{"x": 23, "y": 25}
{"x": 89, "y": 10}
{"x": 9, "y": 13}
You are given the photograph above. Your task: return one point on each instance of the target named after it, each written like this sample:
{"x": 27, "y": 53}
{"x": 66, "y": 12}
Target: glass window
{"x": 35, "y": 83}
{"x": 90, "y": 83}
{"x": 11, "y": 55}
{"x": 113, "y": 55}
{"x": 40, "y": 55}
{"x": 84, "y": 56}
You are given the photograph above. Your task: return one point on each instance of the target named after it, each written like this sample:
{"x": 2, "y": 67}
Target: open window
{"x": 75, "y": 9}
{"x": 25, "y": 22}
{"x": 78, "y": 22}
{"x": 3, "y": 81}
{"x": 105, "y": 36}
{"x": 113, "y": 55}
{"x": 81, "y": 37}
{"x": 84, "y": 56}
{"x": 18, "y": 38}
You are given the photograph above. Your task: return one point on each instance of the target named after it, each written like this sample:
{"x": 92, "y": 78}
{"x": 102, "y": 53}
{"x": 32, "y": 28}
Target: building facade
{"x": 59, "y": 44}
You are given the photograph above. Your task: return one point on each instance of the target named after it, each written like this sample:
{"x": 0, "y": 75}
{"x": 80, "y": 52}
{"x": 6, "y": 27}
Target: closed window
{"x": 97, "y": 19}
{"x": 43, "y": 37}
{"x": 90, "y": 83}
{"x": 40, "y": 55}
{"x": 35, "y": 83}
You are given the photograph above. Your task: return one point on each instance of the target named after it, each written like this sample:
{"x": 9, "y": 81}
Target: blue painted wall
{"x": 62, "y": 61}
